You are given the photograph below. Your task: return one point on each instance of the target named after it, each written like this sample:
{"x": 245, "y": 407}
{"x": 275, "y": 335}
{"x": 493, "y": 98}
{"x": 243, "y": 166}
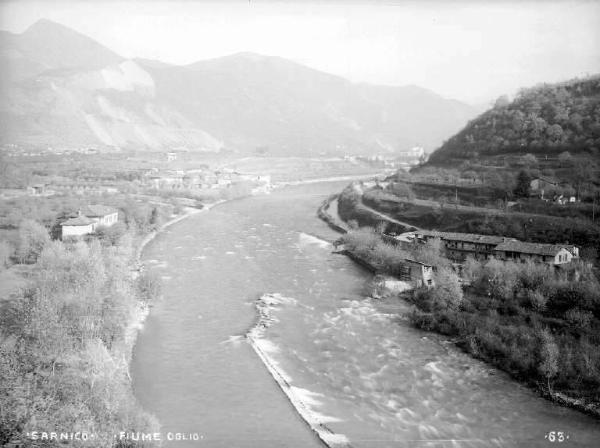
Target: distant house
{"x": 417, "y": 273}
{"x": 76, "y": 227}
{"x": 169, "y": 180}
{"x": 36, "y": 190}
{"x": 543, "y": 185}
{"x": 101, "y": 215}
{"x": 171, "y": 156}
{"x": 573, "y": 249}
{"x": 223, "y": 182}
{"x": 562, "y": 200}
{"x": 413, "y": 154}
{"x": 554, "y": 254}
{"x": 88, "y": 219}
{"x": 368, "y": 184}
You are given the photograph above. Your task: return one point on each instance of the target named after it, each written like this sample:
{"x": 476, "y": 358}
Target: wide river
{"x": 369, "y": 376}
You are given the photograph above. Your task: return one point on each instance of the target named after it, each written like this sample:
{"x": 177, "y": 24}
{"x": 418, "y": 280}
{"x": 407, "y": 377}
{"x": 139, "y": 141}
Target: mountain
{"x": 65, "y": 90}
{"x": 545, "y": 120}
{"x": 49, "y": 46}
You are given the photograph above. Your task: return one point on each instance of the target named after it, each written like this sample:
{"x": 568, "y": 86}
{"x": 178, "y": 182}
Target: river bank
{"x": 429, "y": 321}
{"x": 323, "y": 213}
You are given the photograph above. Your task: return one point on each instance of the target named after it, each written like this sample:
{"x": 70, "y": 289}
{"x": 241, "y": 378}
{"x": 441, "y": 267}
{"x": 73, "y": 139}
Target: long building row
{"x": 460, "y": 246}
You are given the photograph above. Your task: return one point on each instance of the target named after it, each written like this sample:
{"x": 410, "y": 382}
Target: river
{"x": 370, "y": 377}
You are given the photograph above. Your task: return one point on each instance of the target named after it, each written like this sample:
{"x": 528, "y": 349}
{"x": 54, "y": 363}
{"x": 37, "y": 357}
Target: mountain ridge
{"x": 65, "y": 89}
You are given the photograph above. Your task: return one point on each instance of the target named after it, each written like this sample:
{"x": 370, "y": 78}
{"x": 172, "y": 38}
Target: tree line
{"x": 66, "y": 338}
{"x": 66, "y": 341}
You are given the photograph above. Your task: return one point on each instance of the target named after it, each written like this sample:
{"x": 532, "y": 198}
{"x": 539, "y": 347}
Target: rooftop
{"x": 464, "y": 237}
{"x": 78, "y": 221}
{"x": 530, "y": 248}
{"x": 98, "y": 210}
{"x": 409, "y": 260}
{"x": 546, "y": 179}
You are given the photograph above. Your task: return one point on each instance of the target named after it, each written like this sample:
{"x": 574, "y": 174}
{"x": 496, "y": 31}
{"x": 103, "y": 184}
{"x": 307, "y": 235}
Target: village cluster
{"x": 155, "y": 178}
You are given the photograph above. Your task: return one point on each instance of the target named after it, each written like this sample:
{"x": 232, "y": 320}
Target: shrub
{"x": 364, "y": 238}
{"x": 566, "y": 294}
{"x": 32, "y": 238}
{"x": 537, "y": 300}
{"x": 549, "y": 355}
{"x": 580, "y": 319}
{"x": 533, "y": 276}
{"x": 432, "y": 253}
{"x": 472, "y": 270}
{"x": 402, "y": 190}
{"x": 425, "y": 321}
{"x": 110, "y": 236}
{"x": 447, "y": 292}
{"x": 149, "y": 286}
{"x": 500, "y": 278}
{"x": 6, "y": 252}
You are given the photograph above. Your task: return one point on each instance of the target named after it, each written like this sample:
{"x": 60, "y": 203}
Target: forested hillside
{"x": 546, "y": 120}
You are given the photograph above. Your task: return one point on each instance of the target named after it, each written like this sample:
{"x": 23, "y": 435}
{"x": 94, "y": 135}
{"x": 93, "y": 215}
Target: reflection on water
{"x": 370, "y": 376}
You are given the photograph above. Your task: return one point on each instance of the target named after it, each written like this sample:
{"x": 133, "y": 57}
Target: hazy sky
{"x": 473, "y": 51}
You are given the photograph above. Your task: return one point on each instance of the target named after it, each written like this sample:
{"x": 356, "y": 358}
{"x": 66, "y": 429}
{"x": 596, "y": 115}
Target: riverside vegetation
{"x": 540, "y": 324}
{"x": 66, "y": 337}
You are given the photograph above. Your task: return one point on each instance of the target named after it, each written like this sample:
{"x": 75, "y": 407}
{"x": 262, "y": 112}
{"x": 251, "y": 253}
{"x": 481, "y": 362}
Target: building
{"x": 417, "y": 273}
{"x": 83, "y": 187}
{"x": 554, "y": 254}
{"x": 76, "y": 227}
{"x": 415, "y": 153}
{"x": 547, "y": 187}
{"x": 101, "y": 215}
{"x": 460, "y": 246}
{"x": 573, "y": 249}
{"x": 540, "y": 185}
{"x": 36, "y": 190}
{"x": 167, "y": 181}
{"x": 88, "y": 219}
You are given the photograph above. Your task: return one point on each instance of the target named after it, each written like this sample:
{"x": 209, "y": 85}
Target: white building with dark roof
{"x": 76, "y": 227}
{"x": 88, "y": 219}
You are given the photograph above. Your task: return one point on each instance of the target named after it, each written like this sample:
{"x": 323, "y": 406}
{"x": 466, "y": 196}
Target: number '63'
{"x": 556, "y": 436}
